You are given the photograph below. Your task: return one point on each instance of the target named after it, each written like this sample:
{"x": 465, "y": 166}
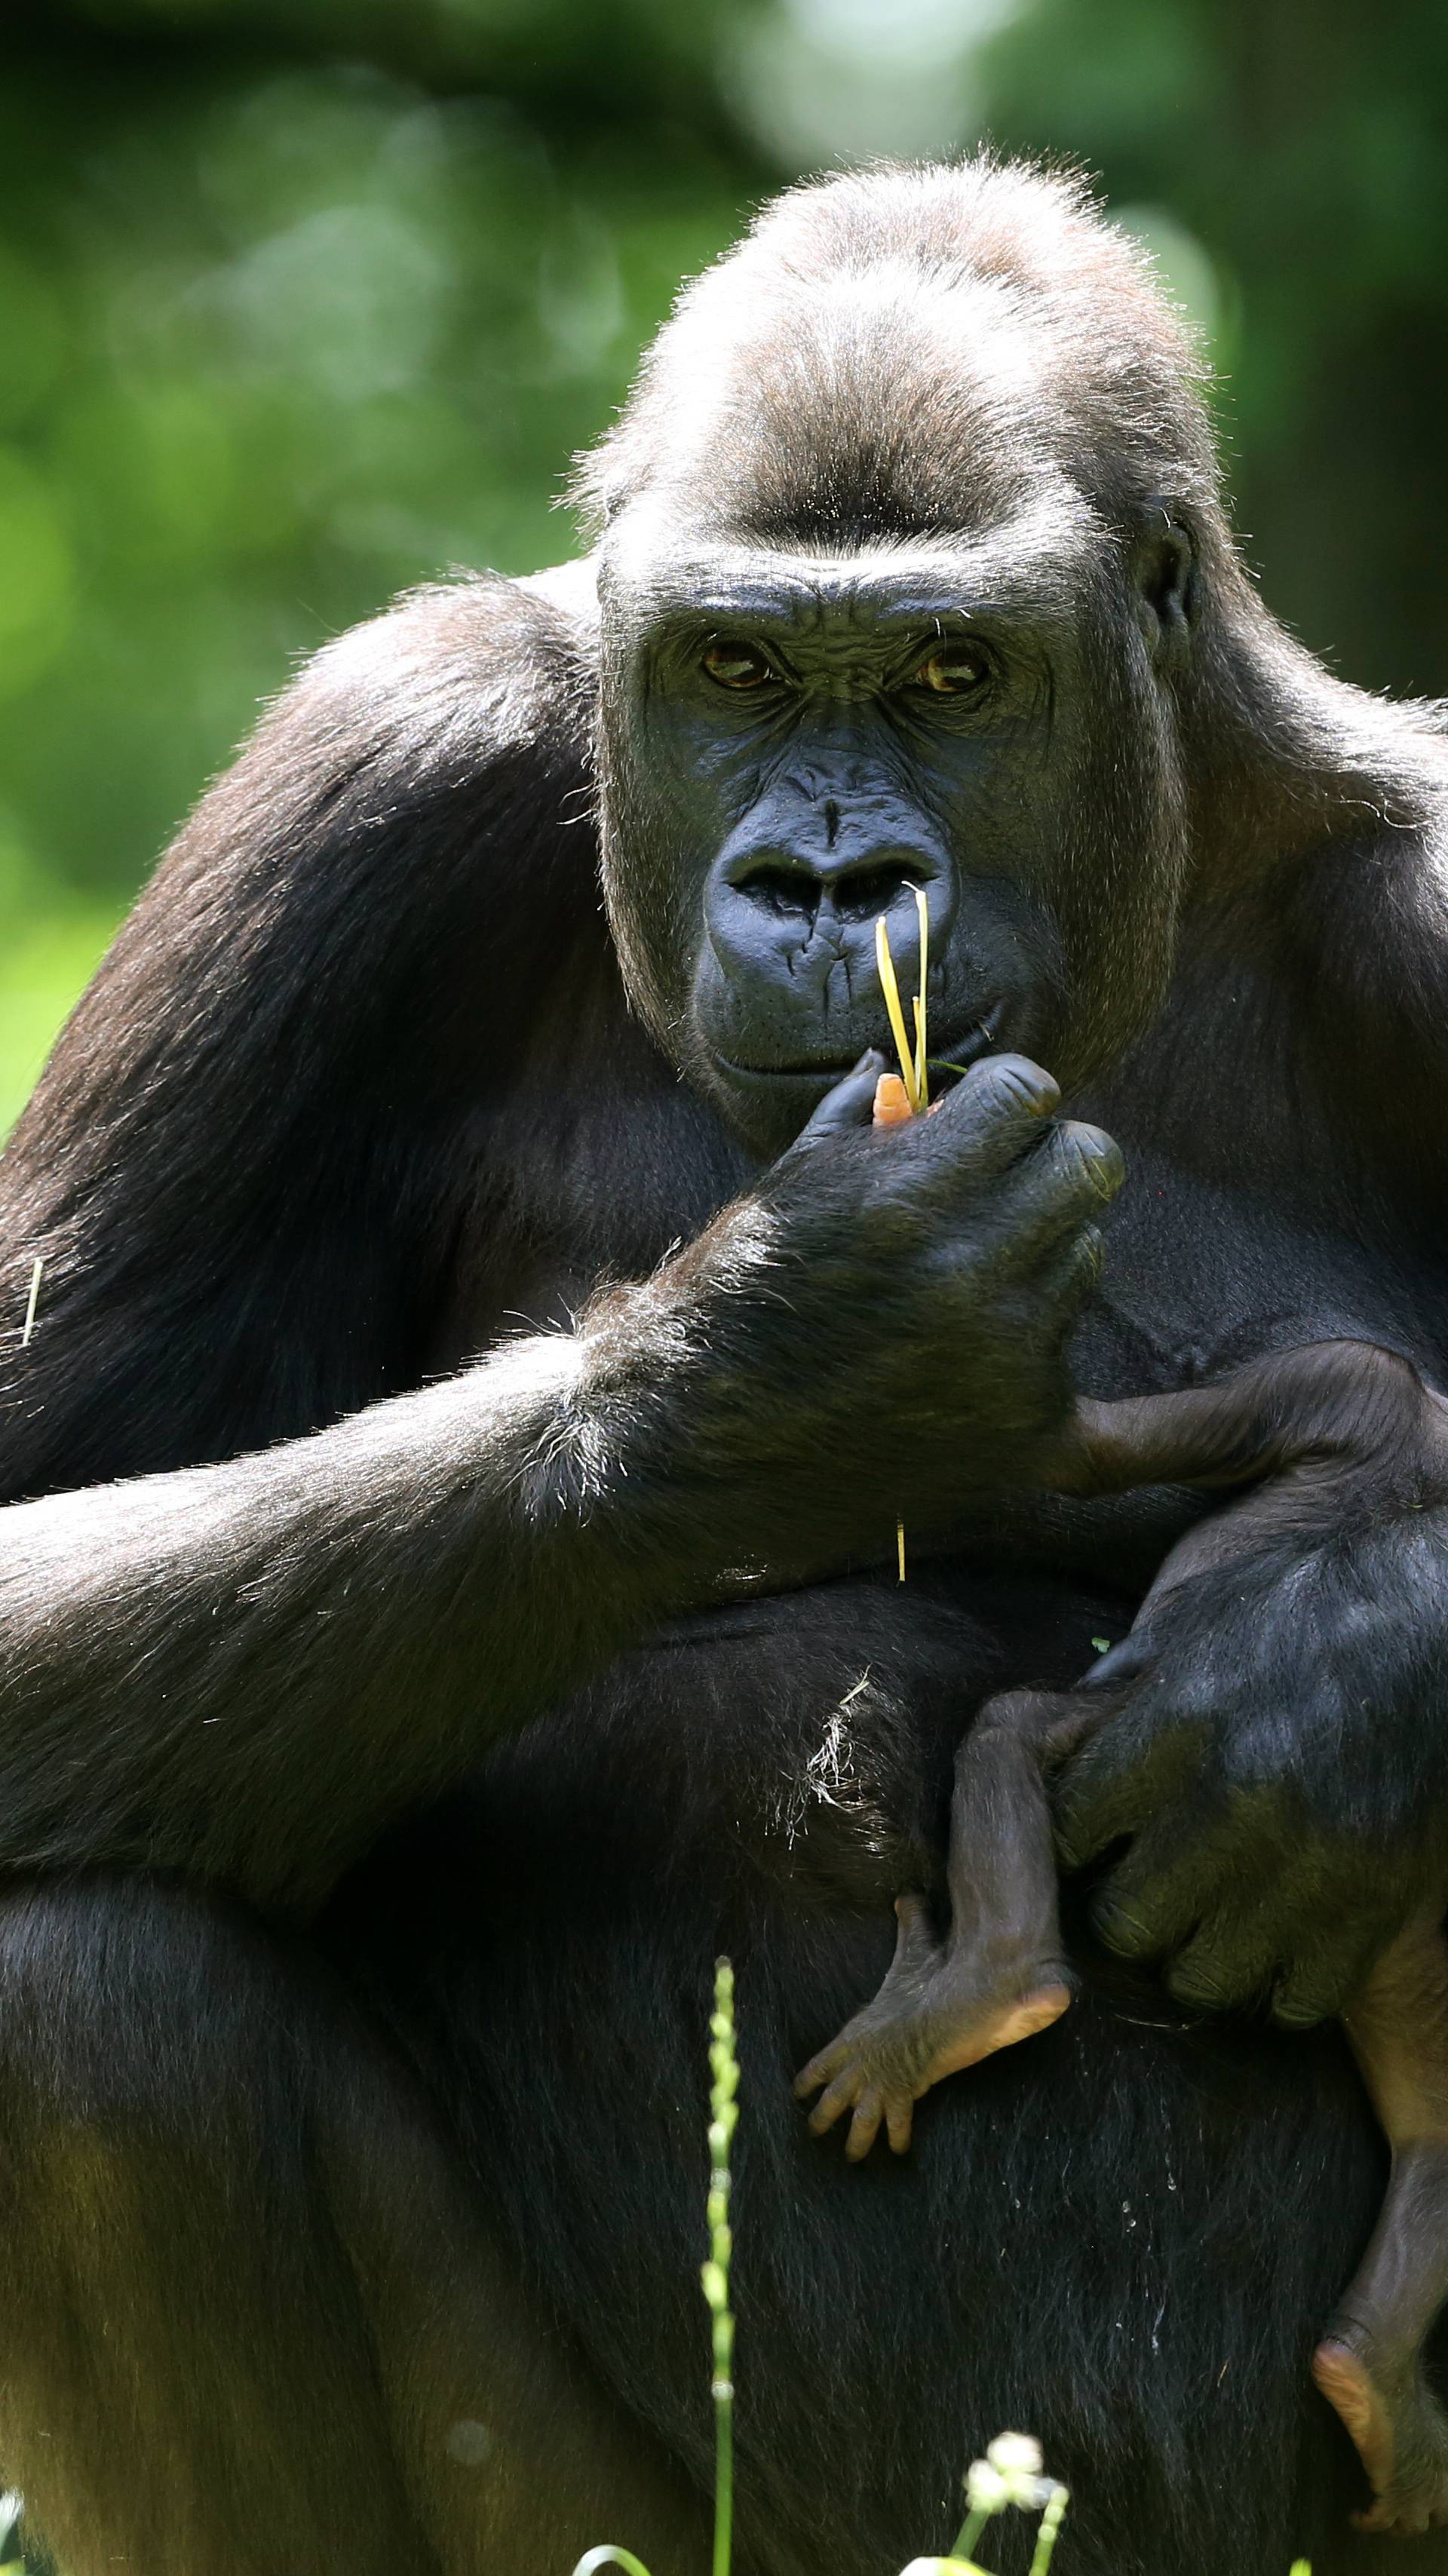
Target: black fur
{"x": 379, "y": 1778}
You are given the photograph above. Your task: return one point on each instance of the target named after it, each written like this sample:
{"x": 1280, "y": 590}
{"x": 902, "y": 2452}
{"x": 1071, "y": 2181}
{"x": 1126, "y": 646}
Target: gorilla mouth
{"x": 955, "y": 1055}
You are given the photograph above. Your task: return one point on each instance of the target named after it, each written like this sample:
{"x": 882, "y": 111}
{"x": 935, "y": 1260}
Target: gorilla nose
{"x": 798, "y": 885}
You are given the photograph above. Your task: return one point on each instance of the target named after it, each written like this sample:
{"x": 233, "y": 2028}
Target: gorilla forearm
{"x": 246, "y": 1670}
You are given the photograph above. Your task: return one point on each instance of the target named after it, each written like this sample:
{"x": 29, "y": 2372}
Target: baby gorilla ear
{"x": 1164, "y": 573}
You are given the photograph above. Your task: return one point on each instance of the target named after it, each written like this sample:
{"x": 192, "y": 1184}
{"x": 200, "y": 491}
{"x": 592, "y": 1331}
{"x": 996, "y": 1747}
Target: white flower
{"x": 1013, "y": 2453}
{"x": 985, "y": 2488}
{"x": 1010, "y": 2473}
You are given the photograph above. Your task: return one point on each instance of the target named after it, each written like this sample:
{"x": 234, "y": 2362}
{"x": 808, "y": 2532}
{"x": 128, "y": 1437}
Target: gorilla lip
{"x": 979, "y": 1037}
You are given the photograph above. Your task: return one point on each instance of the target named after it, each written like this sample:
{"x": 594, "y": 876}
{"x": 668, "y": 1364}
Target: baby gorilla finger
{"x": 825, "y": 2064}
{"x": 839, "y": 2096}
{"x": 865, "y": 2126}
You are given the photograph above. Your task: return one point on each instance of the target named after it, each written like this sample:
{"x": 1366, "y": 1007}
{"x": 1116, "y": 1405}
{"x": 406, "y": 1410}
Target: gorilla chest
{"x": 1200, "y": 1277}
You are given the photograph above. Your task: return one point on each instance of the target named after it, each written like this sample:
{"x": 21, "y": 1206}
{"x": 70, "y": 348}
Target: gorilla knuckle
{"x": 1087, "y": 1160}
{"x": 1088, "y": 1259}
{"x": 1204, "y": 1983}
{"x": 1123, "y": 1928}
{"x": 1007, "y": 1089}
{"x": 1299, "y": 2008}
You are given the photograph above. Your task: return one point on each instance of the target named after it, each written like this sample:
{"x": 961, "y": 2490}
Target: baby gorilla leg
{"x": 1369, "y": 2364}
{"x": 997, "y": 1973}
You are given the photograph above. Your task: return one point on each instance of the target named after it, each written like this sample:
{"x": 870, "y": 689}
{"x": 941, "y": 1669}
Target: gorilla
{"x": 452, "y": 1468}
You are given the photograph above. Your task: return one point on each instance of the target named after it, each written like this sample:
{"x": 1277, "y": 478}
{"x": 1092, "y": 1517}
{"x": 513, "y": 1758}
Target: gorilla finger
{"x": 1071, "y": 1273}
{"x": 1222, "y": 1971}
{"x": 1053, "y": 1723}
{"x": 1322, "y": 1985}
{"x": 847, "y": 1108}
{"x": 1036, "y": 1716}
{"x": 1165, "y": 1893}
{"x": 1148, "y": 1906}
{"x": 1056, "y": 1191}
{"x": 1114, "y": 1784}
{"x": 992, "y": 1115}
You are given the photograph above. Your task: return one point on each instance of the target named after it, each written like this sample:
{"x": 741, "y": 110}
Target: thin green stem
{"x": 723, "y": 2478}
{"x": 1051, "y": 2519}
{"x": 963, "y": 2545}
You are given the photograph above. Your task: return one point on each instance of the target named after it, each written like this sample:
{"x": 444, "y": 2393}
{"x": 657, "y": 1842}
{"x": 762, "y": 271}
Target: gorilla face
{"x": 792, "y": 742}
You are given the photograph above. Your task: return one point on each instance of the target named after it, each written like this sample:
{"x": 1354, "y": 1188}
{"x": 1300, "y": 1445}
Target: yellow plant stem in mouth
{"x": 913, "y": 1074}
{"x": 912, "y": 1058}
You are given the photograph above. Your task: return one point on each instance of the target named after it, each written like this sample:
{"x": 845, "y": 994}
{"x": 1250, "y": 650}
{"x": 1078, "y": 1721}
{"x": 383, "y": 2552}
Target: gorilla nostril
{"x": 863, "y": 892}
{"x": 783, "y": 890}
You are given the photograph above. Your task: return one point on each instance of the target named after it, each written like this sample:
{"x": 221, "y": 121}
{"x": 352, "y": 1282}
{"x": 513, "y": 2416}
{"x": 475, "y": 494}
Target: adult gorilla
{"x": 351, "y": 2091}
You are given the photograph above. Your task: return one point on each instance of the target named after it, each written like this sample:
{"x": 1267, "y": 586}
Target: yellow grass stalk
{"x": 912, "y": 1057}
{"x": 913, "y": 1072}
{"x": 891, "y": 990}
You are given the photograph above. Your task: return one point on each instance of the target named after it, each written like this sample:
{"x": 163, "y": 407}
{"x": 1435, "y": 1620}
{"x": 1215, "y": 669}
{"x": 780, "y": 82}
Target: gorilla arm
{"x": 247, "y": 1669}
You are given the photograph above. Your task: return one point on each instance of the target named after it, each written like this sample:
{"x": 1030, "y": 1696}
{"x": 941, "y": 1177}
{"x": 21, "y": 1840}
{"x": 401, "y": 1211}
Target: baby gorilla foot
{"x": 1399, "y": 2430}
{"x": 941, "y": 2007}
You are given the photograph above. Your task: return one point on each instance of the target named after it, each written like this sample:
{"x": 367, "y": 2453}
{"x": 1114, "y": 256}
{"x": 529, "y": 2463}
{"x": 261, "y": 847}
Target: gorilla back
{"x": 383, "y": 1766}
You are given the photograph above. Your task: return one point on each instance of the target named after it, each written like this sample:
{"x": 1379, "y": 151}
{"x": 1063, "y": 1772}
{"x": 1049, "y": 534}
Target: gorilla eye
{"x": 736, "y": 666}
{"x": 951, "y": 670}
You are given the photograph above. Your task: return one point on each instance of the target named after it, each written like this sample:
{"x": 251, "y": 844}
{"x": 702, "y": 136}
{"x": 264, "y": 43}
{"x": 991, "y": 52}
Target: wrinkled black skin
{"x": 350, "y": 2024}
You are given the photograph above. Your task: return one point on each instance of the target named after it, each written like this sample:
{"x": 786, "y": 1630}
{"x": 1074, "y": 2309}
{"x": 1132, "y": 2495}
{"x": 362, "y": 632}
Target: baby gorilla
{"x": 1307, "y": 1423}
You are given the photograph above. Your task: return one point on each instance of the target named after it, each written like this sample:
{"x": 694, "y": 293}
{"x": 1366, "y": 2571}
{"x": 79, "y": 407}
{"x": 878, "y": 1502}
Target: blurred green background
{"x": 304, "y": 300}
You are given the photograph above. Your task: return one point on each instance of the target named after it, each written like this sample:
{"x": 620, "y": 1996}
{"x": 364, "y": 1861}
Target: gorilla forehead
{"x": 1039, "y": 560}
{"x": 913, "y": 353}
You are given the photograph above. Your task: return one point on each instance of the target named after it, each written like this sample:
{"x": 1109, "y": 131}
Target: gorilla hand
{"x": 879, "y": 1327}
{"x": 1271, "y": 1740}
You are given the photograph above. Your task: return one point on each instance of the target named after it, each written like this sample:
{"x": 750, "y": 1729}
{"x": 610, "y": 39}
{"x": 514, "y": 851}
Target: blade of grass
{"x": 922, "y": 1087}
{"x": 891, "y": 990}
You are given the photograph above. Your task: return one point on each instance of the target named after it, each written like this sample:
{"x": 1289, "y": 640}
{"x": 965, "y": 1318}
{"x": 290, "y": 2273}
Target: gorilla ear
{"x": 1164, "y": 572}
